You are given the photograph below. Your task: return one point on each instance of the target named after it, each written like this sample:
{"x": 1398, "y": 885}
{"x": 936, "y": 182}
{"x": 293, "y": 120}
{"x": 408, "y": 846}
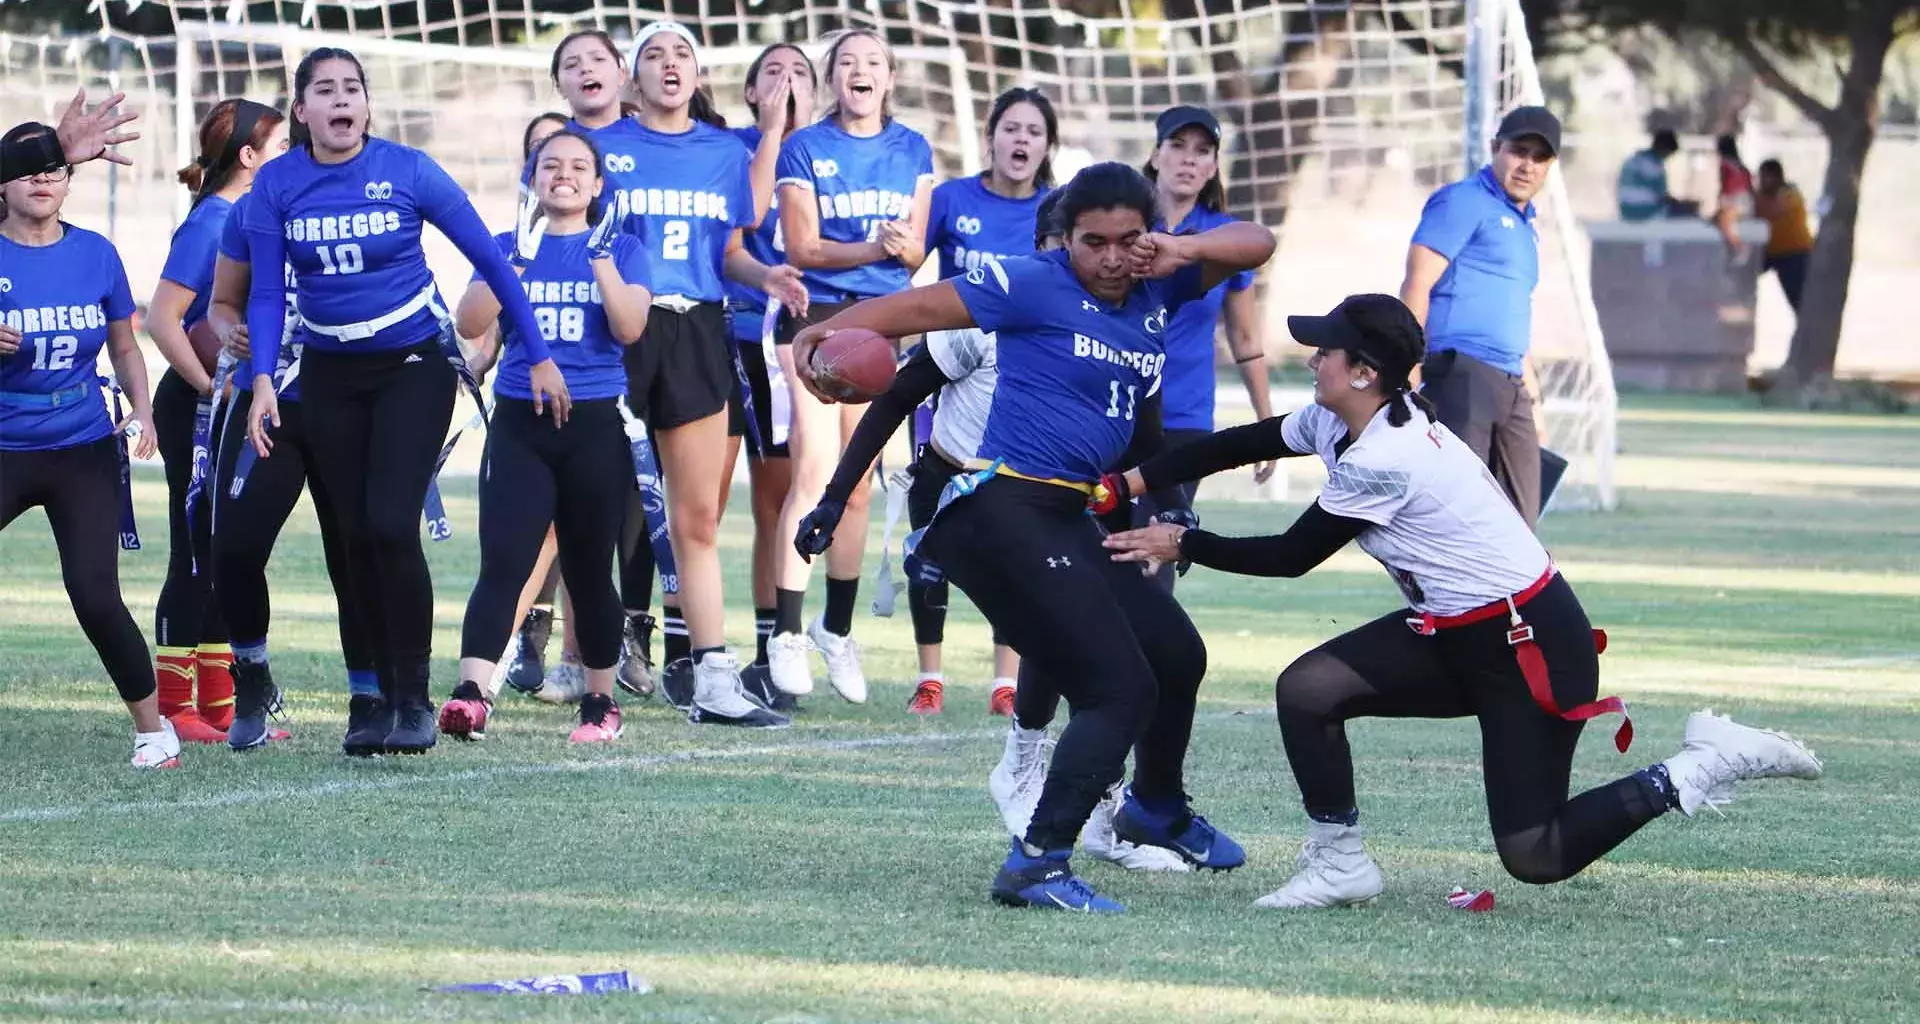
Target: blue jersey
{"x": 566, "y": 303}
{"x": 352, "y": 232}
{"x": 684, "y": 195}
{"x": 856, "y": 183}
{"x": 1483, "y": 304}
{"x": 1187, "y": 396}
{"x": 190, "y": 258}
{"x": 233, "y": 245}
{"x": 1073, "y": 369}
{"x": 60, "y": 297}
{"x": 970, "y": 221}
{"x": 765, "y": 243}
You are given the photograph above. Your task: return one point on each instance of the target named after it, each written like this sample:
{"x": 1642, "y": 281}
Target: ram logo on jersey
{"x": 1156, "y": 321}
{"x": 1148, "y": 364}
{"x": 343, "y": 226}
{"x": 620, "y": 163}
{"x": 967, "y": 225}
{"x": 38, "y": 319}
{"x": 6, "y": 285}
{"x": 656, "y": 202}
{"x": 379, "y": 190}
{"x": 825, "y": 168}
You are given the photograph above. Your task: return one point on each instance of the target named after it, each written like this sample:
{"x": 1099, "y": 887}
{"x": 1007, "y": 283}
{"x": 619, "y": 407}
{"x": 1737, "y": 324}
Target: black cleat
{"x": 369, "y": 720}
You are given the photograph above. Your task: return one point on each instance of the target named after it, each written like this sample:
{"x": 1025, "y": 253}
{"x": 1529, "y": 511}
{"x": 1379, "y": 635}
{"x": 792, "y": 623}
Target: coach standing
{"x": 1471, "y": 271}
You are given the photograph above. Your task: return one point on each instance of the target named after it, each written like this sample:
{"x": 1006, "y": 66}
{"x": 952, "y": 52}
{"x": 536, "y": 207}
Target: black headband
{"x": 246, "y": 117}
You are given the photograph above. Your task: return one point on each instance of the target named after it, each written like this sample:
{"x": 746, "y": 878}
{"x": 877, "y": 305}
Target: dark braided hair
{"x": 1396, "y": 345}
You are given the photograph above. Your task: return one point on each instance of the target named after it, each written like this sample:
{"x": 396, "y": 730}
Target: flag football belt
{"x": 999, "y": 468}
{"x": 368, "y": 328}
{"x": 678, "y": 303}
{"x": 47, "y": 399}
{"x": 1533, "y": 664}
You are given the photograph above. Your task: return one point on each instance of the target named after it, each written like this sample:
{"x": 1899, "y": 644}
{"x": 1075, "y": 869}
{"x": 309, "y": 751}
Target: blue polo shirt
{"x": 1187, "y": 396}
{"x": 1483, "y": 305}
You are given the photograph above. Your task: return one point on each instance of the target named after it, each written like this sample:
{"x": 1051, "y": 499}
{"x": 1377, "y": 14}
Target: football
{"x": 854, "y": 365}
{"x": 206, "y": 343}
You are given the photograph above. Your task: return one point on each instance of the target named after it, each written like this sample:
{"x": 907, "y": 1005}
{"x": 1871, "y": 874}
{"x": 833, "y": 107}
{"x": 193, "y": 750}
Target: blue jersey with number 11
{"x": 60, "y": 297}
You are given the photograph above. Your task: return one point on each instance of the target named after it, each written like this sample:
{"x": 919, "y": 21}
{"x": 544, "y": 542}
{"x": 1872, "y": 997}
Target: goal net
{"x": 1340, "y": 116}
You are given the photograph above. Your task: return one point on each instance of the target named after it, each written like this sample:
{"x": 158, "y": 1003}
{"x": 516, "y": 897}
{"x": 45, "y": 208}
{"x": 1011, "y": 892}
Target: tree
{"x": 1769, "y": 34}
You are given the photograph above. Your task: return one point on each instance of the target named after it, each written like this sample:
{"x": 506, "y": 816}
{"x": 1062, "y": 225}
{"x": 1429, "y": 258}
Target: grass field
{"x": 1764, "y": 564}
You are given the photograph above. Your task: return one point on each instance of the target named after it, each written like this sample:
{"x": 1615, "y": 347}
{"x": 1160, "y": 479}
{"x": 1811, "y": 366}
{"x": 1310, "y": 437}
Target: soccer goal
{"x": 1340, "y": 117}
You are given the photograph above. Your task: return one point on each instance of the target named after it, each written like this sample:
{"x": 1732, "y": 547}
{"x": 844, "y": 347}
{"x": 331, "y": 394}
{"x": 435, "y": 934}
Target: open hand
{"x": 86, "y": 136}
{"x": 550, "y": 391}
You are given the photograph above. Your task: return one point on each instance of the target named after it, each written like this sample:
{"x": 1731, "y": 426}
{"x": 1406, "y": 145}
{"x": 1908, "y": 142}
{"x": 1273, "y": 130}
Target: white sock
{"x": 933, "y": 677}
{"x": 1002, "y": 682}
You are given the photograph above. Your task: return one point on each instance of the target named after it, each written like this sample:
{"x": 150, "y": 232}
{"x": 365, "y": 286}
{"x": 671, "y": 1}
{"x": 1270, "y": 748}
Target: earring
{"x": 1357, "y": 385}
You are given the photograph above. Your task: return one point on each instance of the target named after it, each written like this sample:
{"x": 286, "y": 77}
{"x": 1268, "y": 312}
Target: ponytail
{"x": 1401, "y": 402}
{"x": 701, "y": 108}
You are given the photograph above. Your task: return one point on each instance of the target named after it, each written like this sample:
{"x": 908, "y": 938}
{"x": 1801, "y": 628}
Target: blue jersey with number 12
{"x": 856, "y": 184}
{"x": 60, "y": 297}
{"x": 1073, "y": 368}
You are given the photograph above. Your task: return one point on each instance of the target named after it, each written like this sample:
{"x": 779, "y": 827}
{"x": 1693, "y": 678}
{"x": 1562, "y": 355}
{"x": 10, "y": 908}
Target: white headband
{"x": 654, "y": 28}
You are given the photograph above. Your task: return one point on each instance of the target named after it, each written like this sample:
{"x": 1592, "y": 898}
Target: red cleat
{"x": 1002, "y": 701}
{"x": 464, "y": 716}
{"x": 191, "y": 728}
{"x": 599, "y": 720}
{"x": 927, "y": 697}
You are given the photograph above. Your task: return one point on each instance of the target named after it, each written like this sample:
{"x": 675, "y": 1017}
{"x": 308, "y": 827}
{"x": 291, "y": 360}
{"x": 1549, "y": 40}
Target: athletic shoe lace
{"x": 926, "y": 696}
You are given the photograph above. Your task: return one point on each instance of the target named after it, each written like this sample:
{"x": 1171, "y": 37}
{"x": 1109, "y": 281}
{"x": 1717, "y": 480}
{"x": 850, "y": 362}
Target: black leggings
{"x": 1125, "y": 656}
{"x": 575, "y": 478}
{"x": 375, "y": 424}
{"x": 928, "y": 604}
{"x": 80, "y": 489}
{"x": 247, "y": 525}
{"x": 186, "y": 614}
{"x": 1385, "y": 670}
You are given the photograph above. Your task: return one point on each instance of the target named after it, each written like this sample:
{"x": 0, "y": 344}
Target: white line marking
{"x": 342, "y": 786}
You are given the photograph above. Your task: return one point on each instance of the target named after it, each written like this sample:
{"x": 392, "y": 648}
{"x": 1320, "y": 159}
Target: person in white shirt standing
{"x": 1491, "y": 630}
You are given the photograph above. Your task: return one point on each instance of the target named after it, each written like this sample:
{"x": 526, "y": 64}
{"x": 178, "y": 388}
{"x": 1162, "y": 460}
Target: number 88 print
{"x": 567, "y": 323}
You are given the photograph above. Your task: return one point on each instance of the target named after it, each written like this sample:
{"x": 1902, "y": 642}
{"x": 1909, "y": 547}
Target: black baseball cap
{"x": 1171, "y": 120}
{"x": 1521, "y": 122}
{"x": 1378, "y": 330}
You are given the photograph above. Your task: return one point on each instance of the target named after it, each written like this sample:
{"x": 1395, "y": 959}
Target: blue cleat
{"x": 1184, "y": 832}
{"x": 1048, "y": 882}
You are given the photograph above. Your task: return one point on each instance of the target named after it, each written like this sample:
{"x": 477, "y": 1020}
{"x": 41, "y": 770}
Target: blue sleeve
{"x": 1446, "y": 225}
{"x": 503, "y": 240}
{"x": 795, "y": 166}
{"x": 636, "y": 267}
{"x": 937, "y": 222}
{"x": 1183, "y": 286}
{"x": 190, "y": 258}
{"x": 119, "y": 302}
{"x": 445, "y": 206}
{"x": 1240, "y": 282}
{"x": 1004, "y": 294}
{"x": 233, "y": 238}
{"x": 923, "y": 157}
{"x": 266, "y": 296}
{"x": 741, "y": 198}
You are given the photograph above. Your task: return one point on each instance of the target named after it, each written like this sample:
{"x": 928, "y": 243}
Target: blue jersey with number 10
{"x": 1073, "y": 368}
{"x": 568, "y": 307}
{"x": 857, "y": 183}
{"x": 970, "y": 222}
{"x": 684, "y": 195}
{"x": 60, "y": 297}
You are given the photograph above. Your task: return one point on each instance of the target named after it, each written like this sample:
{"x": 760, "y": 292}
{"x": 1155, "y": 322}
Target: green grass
{"x": 1764, "y": 564}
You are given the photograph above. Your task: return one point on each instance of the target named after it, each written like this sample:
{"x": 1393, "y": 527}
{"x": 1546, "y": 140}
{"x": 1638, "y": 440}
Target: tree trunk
{"x": 1850, "y": 133}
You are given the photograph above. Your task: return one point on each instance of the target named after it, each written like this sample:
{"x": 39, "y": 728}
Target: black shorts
{"x": 753, "y": 365}
{"x": 817, "y": 313}
{"x": 681, "y": 370}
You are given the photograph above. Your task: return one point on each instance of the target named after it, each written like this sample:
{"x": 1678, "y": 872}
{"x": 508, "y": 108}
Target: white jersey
{"x": 1441, "y": 525}
{"x": 970, "y": 359}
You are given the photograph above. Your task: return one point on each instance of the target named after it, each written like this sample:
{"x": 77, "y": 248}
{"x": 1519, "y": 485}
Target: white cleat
{"x": 788, "y": 666}
{"x": 1017, "y": 780}
{"x": 842, "y": 656}
{"x": 153, "y": 750}
{"x": 564, "y": 683}
{"x": 1333, "y": 870}
{"x": 719, "y": 698}
{"x": 1718, "y": 752}
{"x": 1099, "y": 841}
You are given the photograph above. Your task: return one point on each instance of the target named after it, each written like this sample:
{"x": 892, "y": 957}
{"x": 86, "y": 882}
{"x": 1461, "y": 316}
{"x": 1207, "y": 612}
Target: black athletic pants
{"x": 80, "y": 489}
{"x": 375, "y": 425}
{"x": 247, "y": 525}
{"x": 928, "y": 604}
{"x": 575, "y": 478}
{"x": 1125, "y": 656}
{"x": 186, "y": 615}
{"x": 1385, "y": 670}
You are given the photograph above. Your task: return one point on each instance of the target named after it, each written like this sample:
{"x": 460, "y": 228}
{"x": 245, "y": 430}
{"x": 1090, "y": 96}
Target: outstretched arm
{"x": 1218, "y": 452}
{"x": 1311, "y": 540}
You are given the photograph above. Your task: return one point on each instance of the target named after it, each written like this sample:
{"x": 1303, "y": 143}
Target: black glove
{"x": 1178, "y": 517}
{"x": 816, "y": 528}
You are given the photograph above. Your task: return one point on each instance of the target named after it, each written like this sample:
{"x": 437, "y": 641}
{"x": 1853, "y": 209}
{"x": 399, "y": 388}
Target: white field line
{"x": 340, "y": 787}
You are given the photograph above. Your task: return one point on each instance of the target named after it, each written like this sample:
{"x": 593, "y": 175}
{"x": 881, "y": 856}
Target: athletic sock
{"x": 1659, "y": 784}
{"x": 1161, "y": 806}
{"x": 762, "y": 630}
{"x": 253, "y": 652}
{"x": 704, "y": 651}
{"x": 363, "y": 682}
{"x": 214, "y": 694}
{"x": 174, "y": 670}
{"x": 678, "y": 644}
{"x": 787, "y": 608}
{"x": 841, "y": 595}
{"x": 1348, "y": 818}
